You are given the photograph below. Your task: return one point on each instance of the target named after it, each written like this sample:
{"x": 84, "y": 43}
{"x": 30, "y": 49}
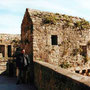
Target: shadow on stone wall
{"x": 49, "y": 77}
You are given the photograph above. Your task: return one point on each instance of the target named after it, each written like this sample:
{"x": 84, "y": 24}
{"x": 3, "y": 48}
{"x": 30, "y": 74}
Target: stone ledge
{"x": 77, "y": 77}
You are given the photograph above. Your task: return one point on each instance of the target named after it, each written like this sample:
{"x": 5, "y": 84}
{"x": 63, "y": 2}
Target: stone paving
{"x": 8, "y": 83}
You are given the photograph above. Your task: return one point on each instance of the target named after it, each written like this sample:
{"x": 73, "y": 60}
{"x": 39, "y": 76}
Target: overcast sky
{"x": 12, "y": 11}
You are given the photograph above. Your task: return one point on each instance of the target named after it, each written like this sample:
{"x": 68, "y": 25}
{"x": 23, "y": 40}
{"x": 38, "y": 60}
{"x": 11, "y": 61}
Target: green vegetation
{"x": 65, "y": 65}
{"x": 83, "y": 24}
{"x": 67, "y": 21}
{"x": 49, "y": 19}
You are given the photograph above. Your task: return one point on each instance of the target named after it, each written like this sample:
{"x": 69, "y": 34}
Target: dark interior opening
{"x": 2, "y": 50}
{"x": 9, "y": 50}
{"x": 54, "y": 39}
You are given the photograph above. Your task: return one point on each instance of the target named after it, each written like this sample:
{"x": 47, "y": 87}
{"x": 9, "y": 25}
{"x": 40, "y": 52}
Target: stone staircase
{"x": 2, "y": 66}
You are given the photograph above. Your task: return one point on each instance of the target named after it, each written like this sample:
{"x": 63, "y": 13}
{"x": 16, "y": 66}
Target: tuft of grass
{"x": 83, "y": 24}
{"x": 68, "y": 21}
{"x": 65, "y": 65}
{"x": 51, "y": 19}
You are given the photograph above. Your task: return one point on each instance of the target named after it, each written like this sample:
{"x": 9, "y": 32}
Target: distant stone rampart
{"x": 8, "y": 44}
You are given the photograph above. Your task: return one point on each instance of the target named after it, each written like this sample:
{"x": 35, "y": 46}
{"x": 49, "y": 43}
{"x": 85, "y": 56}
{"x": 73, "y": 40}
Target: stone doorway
{"x": 9, "y": 50}
{"x": 2, "y": 50}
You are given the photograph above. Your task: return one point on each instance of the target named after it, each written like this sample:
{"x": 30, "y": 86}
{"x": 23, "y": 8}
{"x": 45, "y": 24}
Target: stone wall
{"x": 27, "y": 34}
{"x": 72, "y": 33}
{"x": 50, "y": 77}
{"x": 68, "y": 41}
{"x": 8, "y": 38}
{"x": 7, "y": 42}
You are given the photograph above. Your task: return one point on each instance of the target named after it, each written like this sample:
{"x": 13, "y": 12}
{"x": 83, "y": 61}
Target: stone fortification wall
{"x": 8, "y": 38}
{"x": 26, "y": 34}
{"x": 68, "y": 41}
{"x": 51, "y": 77}
{"x": 71, "y": 34}
{"x": 69, "y": 37}
{"x": 8, "y": 44}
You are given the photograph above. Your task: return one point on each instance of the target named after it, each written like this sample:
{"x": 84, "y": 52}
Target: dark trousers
{"x": 21, "y": 77}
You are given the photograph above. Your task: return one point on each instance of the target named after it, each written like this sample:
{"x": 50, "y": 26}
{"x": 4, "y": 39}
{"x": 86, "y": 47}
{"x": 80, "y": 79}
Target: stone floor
{"x": 7, "y": 83}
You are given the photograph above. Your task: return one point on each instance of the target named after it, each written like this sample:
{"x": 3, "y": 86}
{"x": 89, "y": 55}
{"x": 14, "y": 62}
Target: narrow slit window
{"x": 54, "y": 39}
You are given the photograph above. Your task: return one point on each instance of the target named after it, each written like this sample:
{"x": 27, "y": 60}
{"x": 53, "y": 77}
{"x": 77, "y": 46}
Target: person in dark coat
{"x": 25, "y": 67}
{"x": 21, "y": 64}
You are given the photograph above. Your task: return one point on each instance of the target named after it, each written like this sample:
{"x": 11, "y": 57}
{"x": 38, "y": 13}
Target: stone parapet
{"x": 50, "y": 77}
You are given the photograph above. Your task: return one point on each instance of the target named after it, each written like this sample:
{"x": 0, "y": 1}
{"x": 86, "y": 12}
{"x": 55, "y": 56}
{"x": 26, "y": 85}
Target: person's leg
{"x": 24, "y": 75}
{"x": 19, "y": 76}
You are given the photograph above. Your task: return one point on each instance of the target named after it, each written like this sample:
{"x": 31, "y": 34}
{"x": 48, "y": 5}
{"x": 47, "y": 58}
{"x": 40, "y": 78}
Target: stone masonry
{"x": 56, "y": 38}
{"x": 7, "y": 44}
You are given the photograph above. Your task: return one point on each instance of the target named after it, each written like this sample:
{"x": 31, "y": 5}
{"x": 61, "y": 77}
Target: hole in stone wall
{"x": 2, "y": 50}
{"x": 54, "y": 40}
{"x": 9, "y": 50}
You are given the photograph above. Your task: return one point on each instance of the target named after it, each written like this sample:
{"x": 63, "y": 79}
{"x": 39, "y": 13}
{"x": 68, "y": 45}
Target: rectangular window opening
{"x": 9, "y": 50}
{"x": 54, "y": 40}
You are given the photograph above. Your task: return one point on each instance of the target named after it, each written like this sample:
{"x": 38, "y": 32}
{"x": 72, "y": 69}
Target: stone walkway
{"x": 10, "y": 84}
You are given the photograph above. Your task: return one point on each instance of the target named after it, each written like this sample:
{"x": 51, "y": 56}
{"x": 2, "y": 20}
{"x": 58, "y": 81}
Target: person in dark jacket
{"x": 25, "y": 63}
{"x": 21, "y": 64}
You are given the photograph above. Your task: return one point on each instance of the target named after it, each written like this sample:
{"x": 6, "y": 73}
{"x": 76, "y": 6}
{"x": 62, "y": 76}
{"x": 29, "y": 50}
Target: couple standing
{"x": 21, "y": 64}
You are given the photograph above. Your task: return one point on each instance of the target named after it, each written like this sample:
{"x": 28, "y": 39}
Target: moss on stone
{"x": 68, "y": 21}
{"x": 49, "y": 19}
{"x": 65, "y": 65}
{"x": 83, "y": 24}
